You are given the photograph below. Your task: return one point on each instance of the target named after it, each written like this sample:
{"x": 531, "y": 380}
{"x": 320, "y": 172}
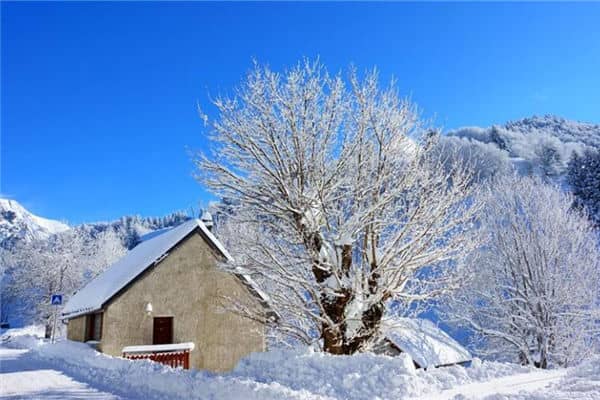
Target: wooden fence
{"x": 174, "y": 359}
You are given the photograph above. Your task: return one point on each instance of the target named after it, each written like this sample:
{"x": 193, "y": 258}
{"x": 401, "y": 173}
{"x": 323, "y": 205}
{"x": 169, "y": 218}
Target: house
{"x": 423, "y": 341}
{"x": 169, "y": 290}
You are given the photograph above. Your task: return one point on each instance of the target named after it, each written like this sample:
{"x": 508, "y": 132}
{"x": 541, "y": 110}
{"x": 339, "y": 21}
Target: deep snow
{"x": 286, "y": 374}
{"x": 21, "y": 377}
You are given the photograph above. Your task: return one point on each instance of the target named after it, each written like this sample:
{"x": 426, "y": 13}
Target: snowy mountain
{"x": 535, "y": 145}
{"x": 16, "y": 223}
{"x": 563, "y": 129}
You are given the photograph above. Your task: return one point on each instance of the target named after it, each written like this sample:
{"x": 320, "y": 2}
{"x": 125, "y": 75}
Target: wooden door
{"x": 163, "y": 330}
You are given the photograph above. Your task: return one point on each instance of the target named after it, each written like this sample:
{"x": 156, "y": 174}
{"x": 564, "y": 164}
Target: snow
{"x": 159, "y": 347}
{"x": 250, "y": 282}
{"x": 22, "y": 377}
{"x": 31, "y": 367}
{"x": 427, "y": 344}
{"x": 361, "y": 376}
{"x": 16, "y": 221}
{"x": 522, "y": 142}
{"x": 152, "y": 234}
{"x": 51, "y": 226}
{"x": 107, "y": 284}
{"x": 499, "y": 386}
{"x": 149, "y": 252}
{"x": 31, "y": 330}
{"x": 141, "y": 379}
{"x": 207, "y": 219}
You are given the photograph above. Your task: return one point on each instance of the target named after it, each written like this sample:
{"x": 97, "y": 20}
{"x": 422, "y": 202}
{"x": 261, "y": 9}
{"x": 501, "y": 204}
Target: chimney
{"x": 207, "y": 220}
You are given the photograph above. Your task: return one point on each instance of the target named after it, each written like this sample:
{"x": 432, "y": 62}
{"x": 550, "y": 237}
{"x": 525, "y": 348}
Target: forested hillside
{"x": 558, "y": 150}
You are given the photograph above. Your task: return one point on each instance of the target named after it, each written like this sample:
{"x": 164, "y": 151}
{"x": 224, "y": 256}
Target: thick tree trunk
{"x": 334, "y": 335}
{"x": 336, "y": 341}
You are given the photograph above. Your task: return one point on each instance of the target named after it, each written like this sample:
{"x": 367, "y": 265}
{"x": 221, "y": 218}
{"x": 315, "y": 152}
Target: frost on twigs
{"x": 530, "y": 293}
{"x": 335, "y": 201}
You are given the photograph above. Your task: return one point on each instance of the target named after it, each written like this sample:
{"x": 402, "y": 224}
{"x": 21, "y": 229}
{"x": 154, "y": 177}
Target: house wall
{"x": 187, "y": 286}
{"x": 76, "y": 329}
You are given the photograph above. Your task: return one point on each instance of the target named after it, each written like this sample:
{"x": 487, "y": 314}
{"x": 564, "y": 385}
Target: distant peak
{"x": 16, "y": 222}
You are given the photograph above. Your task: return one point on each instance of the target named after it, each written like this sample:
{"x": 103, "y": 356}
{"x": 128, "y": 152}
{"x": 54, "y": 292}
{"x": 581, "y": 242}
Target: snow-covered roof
{"x": 426, "y": 343}
{"x": 102, "y": 288}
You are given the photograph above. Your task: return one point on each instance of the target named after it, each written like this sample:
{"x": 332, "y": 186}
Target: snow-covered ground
{"x": 33, "y": 368}
{"x": 26, "y": 378}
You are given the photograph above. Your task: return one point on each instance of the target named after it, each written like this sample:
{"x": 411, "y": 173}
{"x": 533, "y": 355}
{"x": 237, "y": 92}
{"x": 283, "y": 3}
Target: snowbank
{"x": 362, "y": 376}
{"x": 33, "y": 330}
{"x": 279, "y": 374}
{"x": 146, "y": 379}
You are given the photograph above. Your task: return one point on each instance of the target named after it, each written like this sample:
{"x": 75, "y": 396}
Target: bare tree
{"x": 59, "y": 264}
{"x": 339, "y": 209}
{"x": 531, "y": 293}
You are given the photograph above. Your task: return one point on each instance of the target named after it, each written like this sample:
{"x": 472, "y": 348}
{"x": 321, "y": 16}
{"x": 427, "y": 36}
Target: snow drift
{"x": 278, "y": 374}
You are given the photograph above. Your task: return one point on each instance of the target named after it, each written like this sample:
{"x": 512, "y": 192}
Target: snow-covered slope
{"x": 563, "y": 129}
{"x": 538, "y": 145}
{"x": 16, "y": 223}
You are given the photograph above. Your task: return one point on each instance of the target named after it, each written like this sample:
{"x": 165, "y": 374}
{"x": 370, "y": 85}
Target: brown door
{"x": 163, "y": 330}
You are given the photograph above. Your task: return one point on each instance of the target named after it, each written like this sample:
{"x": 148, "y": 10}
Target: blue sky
{"x": 99, "y": 99}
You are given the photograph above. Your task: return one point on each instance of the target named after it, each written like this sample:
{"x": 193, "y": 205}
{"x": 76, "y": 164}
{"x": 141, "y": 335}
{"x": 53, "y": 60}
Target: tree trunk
{"x": 48, "y": 329}
{"x": 334, "y": 339}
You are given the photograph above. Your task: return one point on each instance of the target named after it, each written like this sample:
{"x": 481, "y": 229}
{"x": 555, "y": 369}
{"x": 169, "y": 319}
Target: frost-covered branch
{"x": 531, "y": 292}
{"x": 339, "y": 206}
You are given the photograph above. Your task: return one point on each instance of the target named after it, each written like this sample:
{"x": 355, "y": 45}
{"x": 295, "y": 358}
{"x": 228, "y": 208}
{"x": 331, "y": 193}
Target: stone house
{"x": 168, "y": 290}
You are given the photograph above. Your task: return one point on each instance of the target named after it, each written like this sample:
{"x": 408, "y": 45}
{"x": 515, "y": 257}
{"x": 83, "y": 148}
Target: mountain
{"x": 541, "y": 145}
{"x": 563, "y": 129}
{"x": 16, "y": 223}
{"x": 19, "y": 225}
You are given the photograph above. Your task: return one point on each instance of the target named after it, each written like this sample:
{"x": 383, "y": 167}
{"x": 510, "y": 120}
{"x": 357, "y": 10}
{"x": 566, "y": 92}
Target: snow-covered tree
{"x": 530, "y": 294}
{"x": 486, "y": 159}
{"x": 339, "y": 209}
{"x": 59, "y": 264}
{"x": 548, "y": 160}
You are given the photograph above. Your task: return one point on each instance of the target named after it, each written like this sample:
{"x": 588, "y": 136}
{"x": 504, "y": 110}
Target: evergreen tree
{"x": 584, "y": 177}
{"x": 549, "y": 161}
{"x": 498, "y": 139}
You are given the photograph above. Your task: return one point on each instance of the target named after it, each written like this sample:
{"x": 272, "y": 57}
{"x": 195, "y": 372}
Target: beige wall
{"x": 76, "y": 329}
{"x": 187, "y": 286}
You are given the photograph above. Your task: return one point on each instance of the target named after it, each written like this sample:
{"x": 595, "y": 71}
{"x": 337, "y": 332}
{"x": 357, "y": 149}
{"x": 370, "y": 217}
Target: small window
{"x": 94, "y": 327}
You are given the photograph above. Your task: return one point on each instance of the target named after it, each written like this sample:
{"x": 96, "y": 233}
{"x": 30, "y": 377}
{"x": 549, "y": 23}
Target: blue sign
{"x": 56, "y": 299}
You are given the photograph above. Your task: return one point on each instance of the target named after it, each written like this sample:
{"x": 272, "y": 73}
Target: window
{"x": 93, "y": 329}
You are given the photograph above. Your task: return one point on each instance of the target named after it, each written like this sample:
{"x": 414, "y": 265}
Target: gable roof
{"x": 105, "y": 286}
{"x": 424, "y": 342}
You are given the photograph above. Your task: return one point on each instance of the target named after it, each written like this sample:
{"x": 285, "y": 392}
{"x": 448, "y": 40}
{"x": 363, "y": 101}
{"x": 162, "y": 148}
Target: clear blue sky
{"x": 99, "y": 99}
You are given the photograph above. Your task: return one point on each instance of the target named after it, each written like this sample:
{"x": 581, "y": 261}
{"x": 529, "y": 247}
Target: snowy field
{"x": 33, "y": 368}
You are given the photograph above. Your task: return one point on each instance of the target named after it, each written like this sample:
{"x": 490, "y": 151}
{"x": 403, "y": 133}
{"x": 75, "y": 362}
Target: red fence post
{"x": 172, "y": 359}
